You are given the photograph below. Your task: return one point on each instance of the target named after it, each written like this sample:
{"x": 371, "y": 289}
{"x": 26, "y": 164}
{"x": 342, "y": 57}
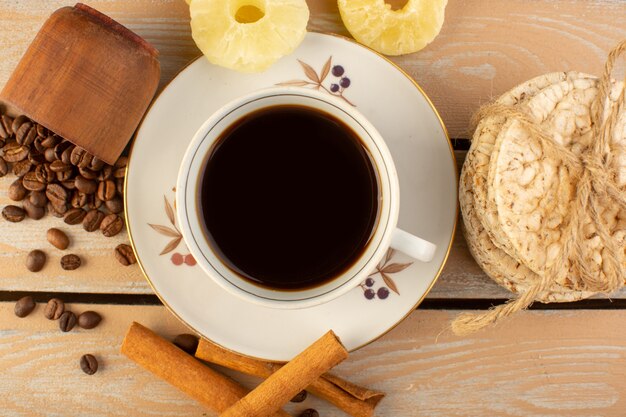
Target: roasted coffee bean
{"x": 4, "y": 168}
{"x": 119, "y": 172}
{"x": 14, "y": 152}
{"x": 92, "y": 220}
{"x": 106, "y": 190}
{"x": 111, "y": 225}
{"x": 89, "y": 364}
{"x": 58, "y": 166}
{"x": 21, "y": 122}
{"x": 13, "y": 213}
{"x": 38, "y": 145}
{"x": 309, "y": 412}
{"x": 79, "y": 199}
{"x": 121, "y": 162}
{"x": 38, "y": 198}
{"x": 51, "y": 141}
{"x": 69, "y": 184}
{"x": 94, "y": 202}
{"x": 67, "y": 321}
{"x": 88, "y": 173}
{"x": 28, "y": 138}
{"x": 85, "y": 186}
{"x": 106, "y": 173}
{"x": 53, "y": 211}
{"x": 75, "y": 216}
{"x": 60, "y": 148}
{"x": 67, "y": 154}
{"x": 89, "y": 319}
{"x": 17, "y": 192}
{"x": 77, "y": 155}
{"x": 96, "y": 164}
{"x": 35, "y": 260}
{"x": 6, "y": 130}
{"x": 64, "y": 176}
{"x": 125, "y": 255}
{"x": 24, "y": 306}
{"x": 54, "y": 309}
{"x": 70, "y": 262}
{"x": 187, "y": 342}
{"x": 44, "y": 174}
{"x": 299, "y": 397}
{"x": 36, "y": 158}
{"x": 32, "y": 211}
{"x": 119, "y": 186}
{"x": 115, "y": 205}
{"x": 60, "y": 208}
{"x": 56, "y": 194}
{"x": 81, "y": 158}
{"x": 26, "y": 133}
{"x": 22, "y": 168}
{"x": 18, "y": 121}
{"x": 49, "y": 155}
{"x": 32, "y": 182}
{"x": 42, "y": 131}
{"x": 58, "y": 238}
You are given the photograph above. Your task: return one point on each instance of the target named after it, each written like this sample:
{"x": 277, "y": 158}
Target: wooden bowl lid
{"x": 87, "y": 78}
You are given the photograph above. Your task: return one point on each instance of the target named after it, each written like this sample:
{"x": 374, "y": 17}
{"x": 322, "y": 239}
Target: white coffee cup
{"x": 385, "y": 234}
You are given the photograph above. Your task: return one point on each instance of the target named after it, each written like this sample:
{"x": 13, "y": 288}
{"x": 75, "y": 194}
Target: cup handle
{"x": 415, "y": 247}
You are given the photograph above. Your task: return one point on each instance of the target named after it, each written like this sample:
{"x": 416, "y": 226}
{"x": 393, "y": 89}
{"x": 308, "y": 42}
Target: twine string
{"x": 596, "y": 188}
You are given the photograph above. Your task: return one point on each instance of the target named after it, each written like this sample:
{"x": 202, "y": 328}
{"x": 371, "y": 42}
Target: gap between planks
{"x": 429, "y": 303}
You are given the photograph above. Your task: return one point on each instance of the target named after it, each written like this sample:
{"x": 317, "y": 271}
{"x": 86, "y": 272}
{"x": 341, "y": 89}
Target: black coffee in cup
{"x": 289, "y": 197}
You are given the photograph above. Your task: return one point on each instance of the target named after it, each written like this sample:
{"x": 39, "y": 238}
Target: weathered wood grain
{"x": 99, "y": 273}
{"x": 461, "y": 277}
{"x": 538, "y": 363}
{"x": 485, "y": 46}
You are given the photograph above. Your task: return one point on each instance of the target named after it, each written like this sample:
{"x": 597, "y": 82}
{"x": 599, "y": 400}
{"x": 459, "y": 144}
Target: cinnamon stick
{"x": 183, "y": 371}
{"x": 293, "y": 377}
{"x": 355, "y": 400}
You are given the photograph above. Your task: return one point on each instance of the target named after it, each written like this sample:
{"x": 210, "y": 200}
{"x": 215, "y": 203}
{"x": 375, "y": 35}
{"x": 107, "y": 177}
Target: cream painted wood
{"x": 540, "y": 363}
{"x": 101, "y": 273}
{"x": 485, "y": 46}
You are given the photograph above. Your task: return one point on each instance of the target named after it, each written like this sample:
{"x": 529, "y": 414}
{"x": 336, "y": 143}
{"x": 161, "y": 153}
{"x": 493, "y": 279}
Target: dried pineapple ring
{"x": 393, "y": 32}
{"x": 248, "y": 35}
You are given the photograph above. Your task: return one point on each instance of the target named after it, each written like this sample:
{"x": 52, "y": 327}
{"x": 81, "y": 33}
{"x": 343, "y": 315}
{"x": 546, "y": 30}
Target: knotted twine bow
{"x": 596, "y": 187}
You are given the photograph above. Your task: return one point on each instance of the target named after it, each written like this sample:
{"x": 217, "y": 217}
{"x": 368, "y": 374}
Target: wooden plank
{"x": 536, "y": 364}
{"x": 461, "y": 277}
{"x": 100, "y": 271}
{"x": 485, "y": 47}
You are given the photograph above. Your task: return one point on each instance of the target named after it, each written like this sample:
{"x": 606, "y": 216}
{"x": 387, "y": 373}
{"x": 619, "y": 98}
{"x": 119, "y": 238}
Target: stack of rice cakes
{"x": 516, "y": 201}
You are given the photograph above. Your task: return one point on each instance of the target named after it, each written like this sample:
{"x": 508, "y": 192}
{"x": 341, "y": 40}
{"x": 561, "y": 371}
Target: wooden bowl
{"x": 87, "y": 78}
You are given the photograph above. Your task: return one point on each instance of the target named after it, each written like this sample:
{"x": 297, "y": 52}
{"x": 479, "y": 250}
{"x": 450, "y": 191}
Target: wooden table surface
{"x": 555, "y": 360}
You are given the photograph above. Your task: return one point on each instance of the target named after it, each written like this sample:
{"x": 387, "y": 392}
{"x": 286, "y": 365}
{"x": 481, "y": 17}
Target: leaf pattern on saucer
{"x": 385, "y": 269}
{"x": 316, "y": 81}
{"x": 174, "y": 234}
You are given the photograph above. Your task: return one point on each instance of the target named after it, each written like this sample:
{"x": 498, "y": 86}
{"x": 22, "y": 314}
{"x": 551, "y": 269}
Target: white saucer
{"x": 396, "y": 106}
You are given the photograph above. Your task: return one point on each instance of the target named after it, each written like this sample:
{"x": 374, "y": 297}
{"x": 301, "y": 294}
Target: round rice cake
{"x": 485, "y": 138}
{"x": 503, "y": 269}
{"x": 613, "y": 217}
{"x": 534, "y": 194}
{"x": 531, "y": 174}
